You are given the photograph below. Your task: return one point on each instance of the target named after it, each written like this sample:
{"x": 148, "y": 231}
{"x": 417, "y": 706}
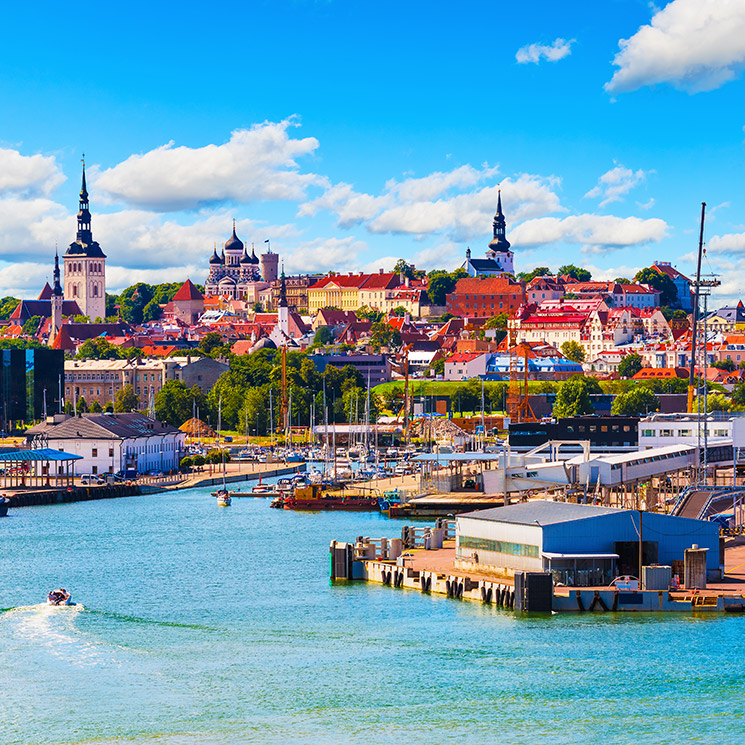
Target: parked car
{"x": 91, "y": 478}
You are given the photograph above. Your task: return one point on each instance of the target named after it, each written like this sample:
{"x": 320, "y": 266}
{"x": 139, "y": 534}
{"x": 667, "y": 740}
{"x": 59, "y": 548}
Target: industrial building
{"x": 581, "y": 545}
{"x": 610, "y": 433}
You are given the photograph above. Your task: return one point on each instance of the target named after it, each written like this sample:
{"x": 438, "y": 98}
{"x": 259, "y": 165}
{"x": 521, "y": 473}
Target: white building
{"x": 723, "y": 430}
{"x": 109, "y": 443}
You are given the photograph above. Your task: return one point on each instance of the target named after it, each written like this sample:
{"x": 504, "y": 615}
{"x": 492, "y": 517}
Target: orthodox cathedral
{"x": 234, "y": 271}
{"x": 499, "y": 258}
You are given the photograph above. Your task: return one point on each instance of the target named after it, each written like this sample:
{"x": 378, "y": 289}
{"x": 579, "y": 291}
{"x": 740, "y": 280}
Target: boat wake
{"x": 55, "y": 629}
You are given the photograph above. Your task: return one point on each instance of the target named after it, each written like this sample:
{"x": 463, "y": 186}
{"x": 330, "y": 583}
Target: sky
{"x": 350, "y": 134}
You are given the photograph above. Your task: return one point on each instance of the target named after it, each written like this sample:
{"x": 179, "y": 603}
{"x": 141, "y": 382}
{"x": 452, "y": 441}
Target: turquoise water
{"x": 200, "y": 625}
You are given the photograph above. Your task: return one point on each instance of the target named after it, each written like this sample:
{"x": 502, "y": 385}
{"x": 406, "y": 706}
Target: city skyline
{"x": 603, "y": 147}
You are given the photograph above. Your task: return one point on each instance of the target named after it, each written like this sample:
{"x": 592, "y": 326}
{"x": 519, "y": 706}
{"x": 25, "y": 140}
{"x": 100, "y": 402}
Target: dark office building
{"x": 30, "y": 384}
{"x": 601, "y": 431}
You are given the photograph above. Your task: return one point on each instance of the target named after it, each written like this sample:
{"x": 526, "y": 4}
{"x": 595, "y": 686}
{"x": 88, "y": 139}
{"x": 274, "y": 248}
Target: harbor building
{"x": 581, "y": 545}
{"x": 109, "y": 443}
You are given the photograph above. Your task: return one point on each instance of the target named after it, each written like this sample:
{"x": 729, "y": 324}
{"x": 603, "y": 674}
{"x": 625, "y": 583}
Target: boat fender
{"x": 448, "y": 589}
{"x": 615, "y": 600}
{"x": 429, "y": 583}
{"x": 580, "y": 604}
{"x": 488, "y": 595}
{"x": 597, "y": 600}
{"x": 460, "y": 591}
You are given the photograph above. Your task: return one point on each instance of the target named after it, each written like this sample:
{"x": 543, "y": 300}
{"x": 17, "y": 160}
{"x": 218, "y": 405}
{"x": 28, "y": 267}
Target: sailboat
{"x": 223, "y": 495}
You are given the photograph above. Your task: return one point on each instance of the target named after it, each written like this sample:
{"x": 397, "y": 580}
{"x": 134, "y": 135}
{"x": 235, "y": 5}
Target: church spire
{"x": 499, "y": 241}
{"x": 57, "y": 287}
{"x": 282, "y": 289}
{"x": 85, "y": 236}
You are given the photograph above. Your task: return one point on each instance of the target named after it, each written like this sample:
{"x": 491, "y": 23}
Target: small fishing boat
{"x": 223, "y": 498}
{"x": 59, "y": 596}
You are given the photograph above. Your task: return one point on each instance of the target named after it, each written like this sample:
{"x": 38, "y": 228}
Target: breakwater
{"x": 34, "y": 497}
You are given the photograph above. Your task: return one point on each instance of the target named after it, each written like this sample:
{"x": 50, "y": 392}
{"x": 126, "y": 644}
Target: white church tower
{"x": 85, "y": 265}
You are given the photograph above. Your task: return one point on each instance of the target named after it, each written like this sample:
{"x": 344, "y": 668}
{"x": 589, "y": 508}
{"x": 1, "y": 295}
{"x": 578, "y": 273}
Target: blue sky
{"x": 354, "y": 133}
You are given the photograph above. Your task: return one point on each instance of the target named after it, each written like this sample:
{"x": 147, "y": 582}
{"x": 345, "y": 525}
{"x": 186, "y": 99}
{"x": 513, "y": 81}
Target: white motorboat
{"x": 59, "y": 596}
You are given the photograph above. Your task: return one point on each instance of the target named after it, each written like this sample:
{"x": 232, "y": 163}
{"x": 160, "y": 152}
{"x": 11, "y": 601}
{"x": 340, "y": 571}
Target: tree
{"x": 126, "y": 400}
{"x": 727, "y": 364}
{"x": 638, "y": 401}
{"x": 383, "y": 335}
{"x": 714, "y": 402}
{"x": 96, "y": 407}
{"x": 738, "y": 394}
{"x": 497, "y": 322}
{"x": 210, "y": 342}
{"x": 573, "y": 351}
{"x": 573, "y": 397}
{"x": 98, "y": 349}
{"x": 441, "y": 283}
{"x": 570, "y": 270}
{"x": 399, "y": 311}
{"x": 152, "y": 311}
{"x": 622, "y": 280}
{"x": 31, "y": 326}
{"x": 661, "y": 282}
{"x": 186, "y": 463}
{"x": 7, "y": 305}
{"x": 630, "y": 365}
{"x": 403, "y": 267}
{"x": 539, "y": 271}
{"x": 324, "y": 335}
{"x": 174, "y": 402}
{"x": 366, "y": 313}
{"x": 257, "y": 307}
{"x": 81, "y": 406}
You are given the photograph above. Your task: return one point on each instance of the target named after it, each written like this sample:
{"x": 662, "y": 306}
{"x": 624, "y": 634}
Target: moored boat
{"x": 223, "y": 498}
{"x": 318, "y": 497}
{"x": 4, "y": 504}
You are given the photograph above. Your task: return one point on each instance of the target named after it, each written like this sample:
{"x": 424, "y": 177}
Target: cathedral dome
{"x": 215, "y": 259}
{"x": 234, "y": 243}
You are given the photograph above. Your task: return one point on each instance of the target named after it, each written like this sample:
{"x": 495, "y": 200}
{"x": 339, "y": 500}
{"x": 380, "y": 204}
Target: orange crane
{"x": 518, "y": 402}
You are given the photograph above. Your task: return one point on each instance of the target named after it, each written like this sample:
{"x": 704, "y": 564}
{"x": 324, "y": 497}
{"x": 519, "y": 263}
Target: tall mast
{"x": 694, "y": 329}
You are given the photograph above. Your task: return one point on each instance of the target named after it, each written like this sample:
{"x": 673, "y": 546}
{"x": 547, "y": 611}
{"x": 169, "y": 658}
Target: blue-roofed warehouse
{"x": 580, "y": 544}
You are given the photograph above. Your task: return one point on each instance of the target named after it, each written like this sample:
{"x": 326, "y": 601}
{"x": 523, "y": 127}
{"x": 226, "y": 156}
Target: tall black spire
{"x": 282, "y": 290}
{"x": 57, "y": 288}
{"x": 85, "y": 236}
{"x": 499, "y": 242}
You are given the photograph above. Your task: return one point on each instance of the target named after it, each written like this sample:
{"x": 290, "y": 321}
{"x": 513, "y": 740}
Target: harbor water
{"x": 201, "y": 625}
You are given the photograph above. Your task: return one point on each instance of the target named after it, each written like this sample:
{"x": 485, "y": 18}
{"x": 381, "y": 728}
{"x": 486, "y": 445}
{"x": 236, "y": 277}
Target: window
{"x": 94, "y": 470}
{"x": 94, "y": 452}
{"x": 111, "y": 452}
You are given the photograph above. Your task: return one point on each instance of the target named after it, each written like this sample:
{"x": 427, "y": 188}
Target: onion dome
{"x": 215, "y": 259}
{"x": 245, "y": 259}
{"x": 234, "y": 243}
{"x": 254, "y": 259}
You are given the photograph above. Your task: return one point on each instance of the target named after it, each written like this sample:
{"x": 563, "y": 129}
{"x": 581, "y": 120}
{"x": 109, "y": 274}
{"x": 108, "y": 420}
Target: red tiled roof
{"x": 188, "y": 291}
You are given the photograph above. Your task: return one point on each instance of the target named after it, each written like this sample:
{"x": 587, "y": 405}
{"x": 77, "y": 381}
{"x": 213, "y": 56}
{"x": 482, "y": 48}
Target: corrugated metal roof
{"x": 542, "y": 512}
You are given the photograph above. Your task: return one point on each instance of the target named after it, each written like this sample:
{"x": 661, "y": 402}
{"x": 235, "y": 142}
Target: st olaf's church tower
{"x": 85, "y": 265}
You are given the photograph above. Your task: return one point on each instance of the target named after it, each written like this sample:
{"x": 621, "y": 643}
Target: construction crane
{"x": 518, "y": 401}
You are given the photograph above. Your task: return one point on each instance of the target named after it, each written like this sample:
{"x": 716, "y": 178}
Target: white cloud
{"x": 255, "y": 164}
{"x": 322, "y": 254}
{"x": 350, "y": 206}
{"x": 28, "y": 174}
{"x": 695, "y": 45}
{"x": 553, "y": 52}
{"x": 614, "y": 184}
{"x": 729, "y": 243}
{"x": 646, "y": 205}
{"x": 595, "y": 233}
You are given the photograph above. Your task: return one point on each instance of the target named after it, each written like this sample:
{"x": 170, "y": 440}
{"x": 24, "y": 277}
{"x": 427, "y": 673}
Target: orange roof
{"x": 661, "y": 373}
